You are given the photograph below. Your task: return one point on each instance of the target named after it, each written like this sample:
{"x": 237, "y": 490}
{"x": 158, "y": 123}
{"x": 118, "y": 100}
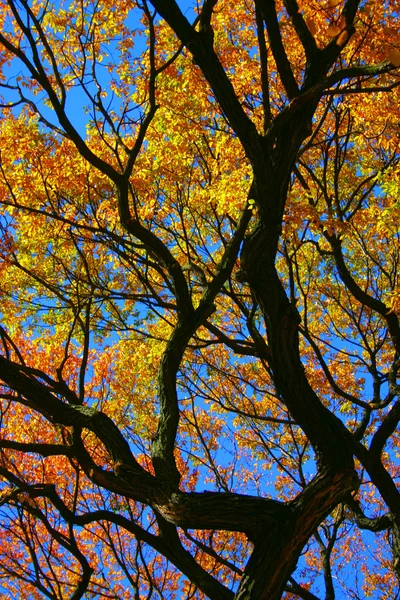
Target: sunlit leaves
{"x": 90, "y": 297}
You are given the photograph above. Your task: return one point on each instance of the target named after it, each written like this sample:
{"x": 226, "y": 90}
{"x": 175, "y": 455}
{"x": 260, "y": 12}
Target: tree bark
{"x": 276, "y": 552}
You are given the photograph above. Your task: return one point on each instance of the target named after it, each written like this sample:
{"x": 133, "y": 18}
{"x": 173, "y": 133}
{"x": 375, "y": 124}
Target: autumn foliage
{"x": 199, "y": 299}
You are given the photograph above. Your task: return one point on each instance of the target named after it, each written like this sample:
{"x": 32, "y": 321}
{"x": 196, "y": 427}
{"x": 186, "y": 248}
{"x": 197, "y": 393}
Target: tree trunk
{"x": 277, "y": 550}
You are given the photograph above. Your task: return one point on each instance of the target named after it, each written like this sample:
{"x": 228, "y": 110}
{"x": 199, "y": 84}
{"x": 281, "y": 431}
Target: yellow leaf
{"x": 333, "y": 3}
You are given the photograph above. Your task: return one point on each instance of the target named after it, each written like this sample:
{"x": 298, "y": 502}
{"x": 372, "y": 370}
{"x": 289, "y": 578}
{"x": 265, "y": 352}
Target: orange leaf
{"x": 342, "y": 39}
{"x": 389, "y": 31}
{"x": 311, "y": 26}
{"x": 394, "y": 57}
{"x": 333, "y": 30}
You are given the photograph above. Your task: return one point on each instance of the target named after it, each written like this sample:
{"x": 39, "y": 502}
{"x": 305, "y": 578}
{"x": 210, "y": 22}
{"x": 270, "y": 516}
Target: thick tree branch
{"x": 268, "y": 10}
{"x": 275, "y": 553}
{"x": 294, "y": 588}
{"x": 162, "y": 449}
{"x": 305, "y": 36}
{"x": 71, "y": 415}
{"x": 171, "y": 549}
{"x": 363, "y": 522}
{"x": 385, "y": 430}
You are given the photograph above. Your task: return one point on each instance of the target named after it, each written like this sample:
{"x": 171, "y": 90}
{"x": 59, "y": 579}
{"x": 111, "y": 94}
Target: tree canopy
{"x": 199, "y": 299}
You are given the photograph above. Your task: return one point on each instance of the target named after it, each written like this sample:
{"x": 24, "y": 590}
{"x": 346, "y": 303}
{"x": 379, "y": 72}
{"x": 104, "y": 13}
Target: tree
{"x": 200, "y": 342}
